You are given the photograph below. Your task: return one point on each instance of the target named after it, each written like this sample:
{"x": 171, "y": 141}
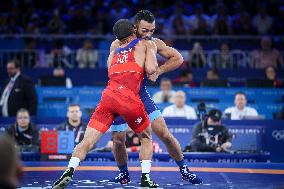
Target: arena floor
{"x": 215, "y": 175}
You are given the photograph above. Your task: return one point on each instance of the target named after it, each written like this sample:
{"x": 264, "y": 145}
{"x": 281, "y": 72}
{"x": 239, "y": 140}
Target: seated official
{"x": 180, "y": 109}
{"x": 74, "y": 123}
{"x": 24, "y": 133}
{"x": 212, "y": 136}
{"x": 166, "y": 94}
{"x": 241, "y": 110}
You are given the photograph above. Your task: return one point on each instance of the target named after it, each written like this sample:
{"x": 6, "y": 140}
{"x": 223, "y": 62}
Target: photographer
{"x": 211, "y": 136}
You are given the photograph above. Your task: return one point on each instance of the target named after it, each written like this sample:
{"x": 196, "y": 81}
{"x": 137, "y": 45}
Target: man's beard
{"x": 140, "y": 36}
{"x": 12, "y": 75}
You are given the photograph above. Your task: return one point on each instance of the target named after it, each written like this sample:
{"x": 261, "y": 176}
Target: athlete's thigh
{"x": 159, "y": 127}
{"x": 136, "y": 116}
{"x": 103, "y": 116}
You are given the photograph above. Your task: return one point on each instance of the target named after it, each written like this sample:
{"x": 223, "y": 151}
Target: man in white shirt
{"x": 166, "y": 94}
{"x": 180, "y": 109}
{"x": 240, "y": 110}
{"x": 17, "y": 92}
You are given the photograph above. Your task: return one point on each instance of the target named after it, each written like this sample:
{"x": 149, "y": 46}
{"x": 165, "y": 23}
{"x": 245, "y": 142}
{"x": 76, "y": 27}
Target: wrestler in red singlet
{"x": 121, "y": 97}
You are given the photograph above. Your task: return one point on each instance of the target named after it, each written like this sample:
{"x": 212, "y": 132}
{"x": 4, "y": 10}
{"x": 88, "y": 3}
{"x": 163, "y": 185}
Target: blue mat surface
{"x": 167, "y": 176}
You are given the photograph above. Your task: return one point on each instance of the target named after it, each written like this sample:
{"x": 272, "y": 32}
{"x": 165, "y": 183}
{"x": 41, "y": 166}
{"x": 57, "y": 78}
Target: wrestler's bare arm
{"x": 109, "y": 59}
{"x": 174, "y": 58}
{"x": 151, "y": 63}
{"x": 115, "y": 44}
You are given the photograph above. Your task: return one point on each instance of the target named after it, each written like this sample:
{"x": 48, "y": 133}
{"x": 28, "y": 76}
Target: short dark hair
{"x": 74, "y": 105}
{"x": 122, "y": 29}
{"x": 214, "y": 70}
{"x": 165, "y": 79}
{"x": 22, "y": 110}
{"x": 144, "y": 15}
{"x": 185, "y": 73}
{"x": 240, "y": 93}
{"x": 16, "y": 63}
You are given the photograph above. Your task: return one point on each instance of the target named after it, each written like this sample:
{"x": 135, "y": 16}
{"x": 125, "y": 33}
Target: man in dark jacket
{"x": 212, "y": 136}
{"x": 17, "y": 92}
{"x": 24, "y": 133}
{"x": 74, "y": 123}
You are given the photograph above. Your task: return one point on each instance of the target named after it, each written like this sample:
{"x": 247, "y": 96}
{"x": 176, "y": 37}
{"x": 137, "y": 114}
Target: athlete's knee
{"x": 87, "y": 143}
{"x": 118, "y": 138}
{"x": 159, "y": 127}
{"x": 145, "y": 135}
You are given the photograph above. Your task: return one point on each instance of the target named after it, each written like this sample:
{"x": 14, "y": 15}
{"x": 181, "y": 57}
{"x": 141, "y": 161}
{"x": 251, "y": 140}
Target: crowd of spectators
{"x": 187, "y": 18}
{"x": 177, "y": 17}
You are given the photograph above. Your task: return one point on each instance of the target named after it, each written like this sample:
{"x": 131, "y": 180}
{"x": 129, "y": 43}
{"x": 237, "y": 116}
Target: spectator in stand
{"x": 224, "y": 59}
{"x": 267, "y": 55}
{"x": 242, "y": 21}
{"x": 17, "y": 92}
{"x": 180, "y": 109}
{"x": 270, "y": 74}
{"x": 240, "y": 110}
{"x": 213, "y": 79}
{"x": 166, "y": 94}
{"x": 177, "y": 22}
{"x": 222, "y": 21}
{"x": 212, "y": 74}
{"x": 29, "y": 56}
{"x": 56, "y": 24}
{"x": 23, "y": 17}
{"x": 185, "y": 78}
{"x": 160, "y": 23}
{"x": 59, "y": 72}
{"x": 199, "y": 22}
{"x": 74, "y": 122}
{"x": 262, "y": 22}
{"x": 24, "y": 133}
{"x": 59, "y": 55}
{"x": 33, "y": 26}
{"x": 118, "y": 10}
{"x": 197, "y": 57}
{"x": 86, "y": 56}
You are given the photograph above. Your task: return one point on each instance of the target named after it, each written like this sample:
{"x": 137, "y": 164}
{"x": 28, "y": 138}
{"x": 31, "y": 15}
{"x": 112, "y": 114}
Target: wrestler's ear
{"x": 135, "y": 28}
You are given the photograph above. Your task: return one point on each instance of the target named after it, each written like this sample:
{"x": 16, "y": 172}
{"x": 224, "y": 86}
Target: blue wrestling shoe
{"x": 188, "y": 176}
{"x": 122, "y": 178}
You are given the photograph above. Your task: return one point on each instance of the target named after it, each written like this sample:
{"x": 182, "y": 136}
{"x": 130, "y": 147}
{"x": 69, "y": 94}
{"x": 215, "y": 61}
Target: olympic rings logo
{"x": 278, "y": 134}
